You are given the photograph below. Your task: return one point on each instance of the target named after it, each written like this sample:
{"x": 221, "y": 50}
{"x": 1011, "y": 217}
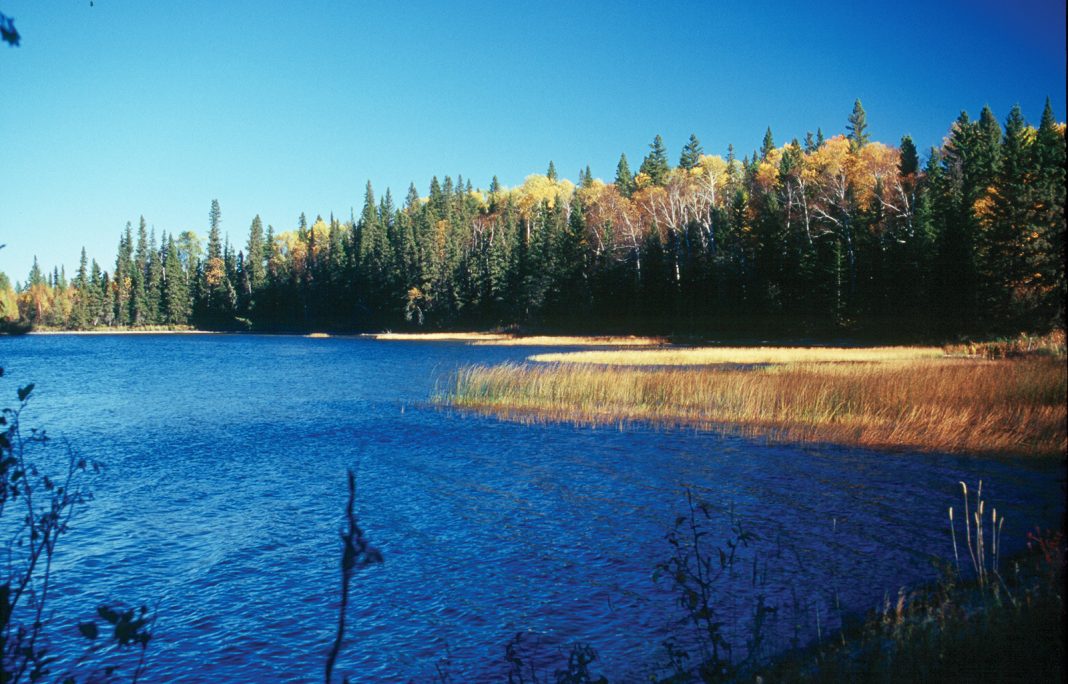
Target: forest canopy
{"x": 820, "y": 236}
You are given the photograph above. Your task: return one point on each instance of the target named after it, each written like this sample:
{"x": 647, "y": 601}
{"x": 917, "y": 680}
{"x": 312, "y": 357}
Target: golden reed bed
{"x": 929, "y": 404}
{"x": 699, "y": 356}
{"x": 502, "y": 339}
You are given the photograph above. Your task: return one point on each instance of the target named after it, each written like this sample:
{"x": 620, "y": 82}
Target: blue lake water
{"x": 225, "y": 485}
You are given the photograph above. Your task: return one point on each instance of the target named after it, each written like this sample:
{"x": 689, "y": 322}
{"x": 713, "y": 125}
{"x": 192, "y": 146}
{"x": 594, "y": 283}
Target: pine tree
{"x": 768, "y": 145}
{"x": 138, "y": 284}
{"x": 153, "y": 280}
{"x": 655, "y": 165}
{"x": 1048, "y": 247}
{"x": 175, "y": 287}
{"x": 255, "y": 256}
{"x": 214, "y": 240}
{"x": 80, "y": 311}
{"x": 121, "y": 285}
{"x": 1009, "y": 288}
{"x": 551, "y": 172}
{"x": 691, "y": 153}
{"x": 910, "y": 160}
{"x": 858, "y": 127}
{"x": 624, "y": 178}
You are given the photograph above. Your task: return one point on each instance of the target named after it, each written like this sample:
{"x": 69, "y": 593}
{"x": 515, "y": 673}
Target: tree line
{"x": 820, "y": 236}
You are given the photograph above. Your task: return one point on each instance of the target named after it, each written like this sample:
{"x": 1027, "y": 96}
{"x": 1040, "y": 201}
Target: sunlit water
{"x": 225, "y": 486}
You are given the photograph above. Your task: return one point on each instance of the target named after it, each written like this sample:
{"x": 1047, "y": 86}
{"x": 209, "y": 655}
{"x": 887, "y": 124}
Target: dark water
{"x": 225, "y": 484}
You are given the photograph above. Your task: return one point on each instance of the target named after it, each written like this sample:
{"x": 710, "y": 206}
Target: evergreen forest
{"x": 821, "y": 236}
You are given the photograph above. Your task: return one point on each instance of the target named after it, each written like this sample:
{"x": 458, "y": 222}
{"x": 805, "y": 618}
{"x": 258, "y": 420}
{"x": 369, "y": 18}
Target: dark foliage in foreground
{"x": 36, "y": 508}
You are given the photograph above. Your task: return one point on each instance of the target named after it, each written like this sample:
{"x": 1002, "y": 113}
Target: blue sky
{"x": 126, "y": 107}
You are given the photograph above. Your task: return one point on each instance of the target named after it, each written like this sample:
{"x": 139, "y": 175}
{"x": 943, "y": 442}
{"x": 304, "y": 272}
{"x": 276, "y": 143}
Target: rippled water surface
{"x": 225, "y": 484}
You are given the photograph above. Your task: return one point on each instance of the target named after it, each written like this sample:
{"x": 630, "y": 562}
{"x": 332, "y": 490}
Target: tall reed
{"x": 951, "y": 405}
{"x": 976, "y": 538}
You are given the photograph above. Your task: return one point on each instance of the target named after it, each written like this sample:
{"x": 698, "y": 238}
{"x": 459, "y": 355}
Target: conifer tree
{"x": 655, "y": 165}
{"x": 910, "y": 160}
{"x": 80, "y": 311}
{"x": 624, "y": 178}
{"x": 767, "y": 146}
{"x": 1049, "y": 199}
{"x": 138, "y": 270}
{"x": 153, "y": 280}
{"x": 550, "y": 173}
{"x": 175, "y": 287}
{"x": 691, "y": 153}
{"x": 858, "y": 127}
{"x": 255, "y": 256}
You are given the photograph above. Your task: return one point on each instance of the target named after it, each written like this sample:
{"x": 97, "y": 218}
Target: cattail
{"x": 968, "y": 529}
{"x": 953, "y": 535}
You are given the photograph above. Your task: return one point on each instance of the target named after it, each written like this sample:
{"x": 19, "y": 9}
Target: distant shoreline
{"x": 471, "y": 337}
{"x": 125, "y": 332}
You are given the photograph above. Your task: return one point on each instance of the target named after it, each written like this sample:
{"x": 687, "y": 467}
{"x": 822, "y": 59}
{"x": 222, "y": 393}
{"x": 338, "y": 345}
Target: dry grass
{"x": 503, "y": 339}
{"x": 1050, "y": 344}
{"x": 947, "y": 405}
{"x": 701, "y": 356}
{"x": 443, "y": 336}
{"x": 577, "y": 341}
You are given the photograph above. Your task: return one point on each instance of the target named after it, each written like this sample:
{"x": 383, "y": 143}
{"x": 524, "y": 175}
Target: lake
{"x": 224, "y": 490}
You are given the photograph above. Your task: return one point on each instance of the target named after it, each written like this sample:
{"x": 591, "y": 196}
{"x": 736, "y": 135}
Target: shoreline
{"x": 471, "y": 338}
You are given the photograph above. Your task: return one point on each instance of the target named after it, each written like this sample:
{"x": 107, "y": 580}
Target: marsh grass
{"x": 700, "y": 356}
{"x": 510, "y": 340}
{"x": 933, "y": 404}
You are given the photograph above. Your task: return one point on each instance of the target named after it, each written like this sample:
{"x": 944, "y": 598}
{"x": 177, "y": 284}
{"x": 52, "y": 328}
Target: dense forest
{"x": 822, "y": 236}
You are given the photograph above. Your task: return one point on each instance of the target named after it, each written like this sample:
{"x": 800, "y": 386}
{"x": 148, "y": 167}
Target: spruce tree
{"x": 550, "y": 173}
{"x": 910, "y": 160}
{"x": 767, "y": 146}
{"x": 691, "y": 153}
{"x": 255, "y": 256}
{"x": 1009, "y": 287}
{"x": 153, "y": 280}
{"x": 1049, "y": 199}
{"x": 624, "y": 178}
{"x": 858, "y": 127}
{"x": 138, "y": 285}
{"x": 80, "y": 310}
{"x": 655, "y": 165}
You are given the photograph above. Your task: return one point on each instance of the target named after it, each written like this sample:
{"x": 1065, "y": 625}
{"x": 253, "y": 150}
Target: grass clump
{"x": 932, "y": 404}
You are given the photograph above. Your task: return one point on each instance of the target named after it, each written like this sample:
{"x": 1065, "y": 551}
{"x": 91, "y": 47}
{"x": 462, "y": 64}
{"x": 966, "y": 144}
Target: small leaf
{"x": 25, "y": 391}
{"x": 88, "y": 630}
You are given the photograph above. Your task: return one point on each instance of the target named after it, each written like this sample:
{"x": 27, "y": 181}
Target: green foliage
{"x": 840, "y": 235}
{"x": 691, "y": 153}
{"x": 624, "y": 178}
{"x": 858, "y": 126}
{"x": 655, "y": 165}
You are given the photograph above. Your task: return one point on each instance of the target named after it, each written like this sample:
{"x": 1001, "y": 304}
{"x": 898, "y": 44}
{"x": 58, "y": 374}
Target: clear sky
{"x": 128, "y": 107}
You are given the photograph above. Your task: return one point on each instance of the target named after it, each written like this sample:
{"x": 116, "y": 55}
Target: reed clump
{"x": 940, "y": 404}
